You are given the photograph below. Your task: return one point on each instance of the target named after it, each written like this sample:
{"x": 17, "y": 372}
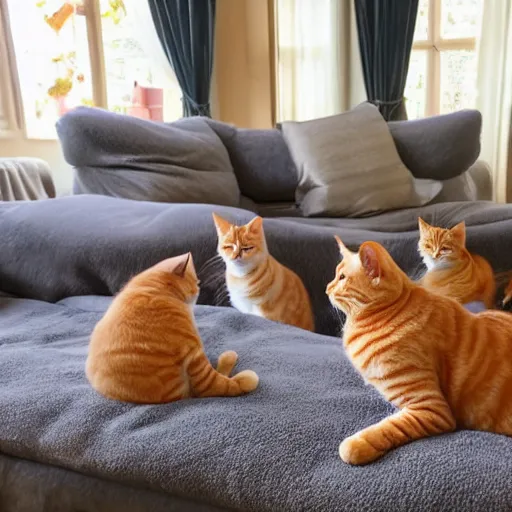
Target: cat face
{"x": 364, "y": 279}
{"x": 241, "y": 247}
{"x": 177, "y": 274}
{"x": 441, "y": 247}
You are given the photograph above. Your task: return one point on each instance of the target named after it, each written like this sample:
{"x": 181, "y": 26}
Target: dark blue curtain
{"x": 186, "y": 31}
{"x": 385, "y": 30}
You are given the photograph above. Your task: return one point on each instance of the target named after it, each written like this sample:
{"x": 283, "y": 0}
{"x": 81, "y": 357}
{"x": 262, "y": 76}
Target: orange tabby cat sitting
{"x": 442, "y": 366}
{"x": 451, "y": 269}
{"x": 257, "y": 283}
{"x": 146, "y": 348}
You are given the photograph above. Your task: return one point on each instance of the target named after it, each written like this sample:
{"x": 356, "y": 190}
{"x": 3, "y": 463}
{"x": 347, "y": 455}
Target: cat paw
{"x": 227, "y": 361}
{"x": 247, "y": 380}
{"x": 356, "y": 450}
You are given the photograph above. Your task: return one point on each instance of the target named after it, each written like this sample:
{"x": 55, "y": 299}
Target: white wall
{"x": 48, "y": 150}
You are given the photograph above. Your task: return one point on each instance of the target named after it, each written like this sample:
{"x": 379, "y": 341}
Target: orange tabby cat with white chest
{"x": 146, "y": 348}
{"x": 257, "y": 283}
{"x": 440, "y": 365}
{"x": 451, "y": 269}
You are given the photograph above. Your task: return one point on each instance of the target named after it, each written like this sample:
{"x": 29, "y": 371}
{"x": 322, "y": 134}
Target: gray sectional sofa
{"x": 63, "y": 447}
{"x": 200, "y": 160}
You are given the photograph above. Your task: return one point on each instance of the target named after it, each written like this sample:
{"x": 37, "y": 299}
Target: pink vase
{"x": 147, "y": 102}
{"x": 62, "y": 106}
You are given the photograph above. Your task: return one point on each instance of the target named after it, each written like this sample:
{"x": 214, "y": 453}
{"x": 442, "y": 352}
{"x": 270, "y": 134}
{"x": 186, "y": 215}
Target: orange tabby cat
{"x": 146, "y": 348}
{"x": 442, "y": 366}
{"x": 452, "y": 270}
{"x": 257, "y": 283}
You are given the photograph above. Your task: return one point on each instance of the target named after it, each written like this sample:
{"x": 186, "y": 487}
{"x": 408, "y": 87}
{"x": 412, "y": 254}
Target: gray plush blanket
{"x": 92, "y": 245}
{"x": 273, "y": 450}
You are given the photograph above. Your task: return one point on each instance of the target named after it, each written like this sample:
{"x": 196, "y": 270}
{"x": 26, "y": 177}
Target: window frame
{"x": 434, "y": 45}
{"x": 92, "y": 14}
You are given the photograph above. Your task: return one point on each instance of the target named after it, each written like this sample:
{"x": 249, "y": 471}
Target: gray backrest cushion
{"x": 348, "y": 166}
{"x": 439, "y": 147}
{"x": 262, "y": 162}
{"x": 122, "y": 156}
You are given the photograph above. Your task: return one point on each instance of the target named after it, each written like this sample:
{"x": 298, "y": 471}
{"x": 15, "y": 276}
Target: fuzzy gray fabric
{"x": 475, "y": 307}
{"x": 92, "y": 245}
{"x": 262, "y": 162}
{"x": 24, "y": 178}
{"x": 182, "y": 162}
{"x": 274, "y": 449}
{"x": 439, "y": 147}
{"x": 343, "y": 173}
{"x": 127, "y": 157}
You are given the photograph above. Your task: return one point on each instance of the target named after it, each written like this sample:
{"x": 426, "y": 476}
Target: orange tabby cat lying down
{"x": 452, "y": 270}
{"x": 258, "y": 283}
{"x": 146, "y": 348}
{"x": 442, "y": 366}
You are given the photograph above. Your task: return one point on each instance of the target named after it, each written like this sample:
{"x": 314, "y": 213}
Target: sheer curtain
{"x": 9, "y": 114}
{"x": 162, "y": 72}
{"x": 148, "y": 39}
{"x": 311, "y": 58}
{"x": 494, "y": 85}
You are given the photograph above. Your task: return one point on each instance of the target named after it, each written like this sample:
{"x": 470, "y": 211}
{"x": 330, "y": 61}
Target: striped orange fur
{"x": 440, "y": 365}
{"x": 257, "y": 283}
{"x": 146, "y": 348}
{"x": 451, "y": 269}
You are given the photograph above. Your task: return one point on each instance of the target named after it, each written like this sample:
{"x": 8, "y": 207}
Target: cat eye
{"x": 246, "y": 249}
{"x": 227, "y": 247}
{"x": 342, "y": 276}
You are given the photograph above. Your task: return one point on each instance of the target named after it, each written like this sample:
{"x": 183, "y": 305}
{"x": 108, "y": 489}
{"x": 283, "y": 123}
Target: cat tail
{"x": 206, "y": 381}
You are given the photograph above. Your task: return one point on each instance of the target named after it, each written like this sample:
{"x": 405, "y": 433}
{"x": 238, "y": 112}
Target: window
{"x": 84, "y": 52}
{"x": 308, "y": 58}
{"x": 443, "y": 66}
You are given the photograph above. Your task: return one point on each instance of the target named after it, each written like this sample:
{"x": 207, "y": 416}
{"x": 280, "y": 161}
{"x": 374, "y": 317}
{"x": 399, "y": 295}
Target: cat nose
{"x": 237, "y": 253}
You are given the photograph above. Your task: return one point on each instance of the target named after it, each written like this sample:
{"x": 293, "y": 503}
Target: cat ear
{"x": 370, "y": 261}
{"x": 423, "y": 225}
{"x": 255, "y": 226}
{"x": 459, "y": 232}
{"x": 222, "y": 225}
{"x": 343, "y": 249}
{"x": 177, "y": 264}
{"x": 181, "y": 264}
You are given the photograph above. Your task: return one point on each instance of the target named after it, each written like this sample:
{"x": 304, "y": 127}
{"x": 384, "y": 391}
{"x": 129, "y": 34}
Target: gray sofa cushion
{"x": 439, "y": 147}
{"x": 348, "y": 166}
{"x": 185, "y": 162}
{"x": 261, "y": 160}
{"x": 127, "y": 157}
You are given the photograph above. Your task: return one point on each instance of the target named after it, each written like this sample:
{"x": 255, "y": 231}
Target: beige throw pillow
{"x": 348, "y": 166}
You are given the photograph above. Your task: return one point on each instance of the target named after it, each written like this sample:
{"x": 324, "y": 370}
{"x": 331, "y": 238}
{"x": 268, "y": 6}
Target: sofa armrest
{"x": 481, "y": 175}
{"x": 473, "y": 185}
